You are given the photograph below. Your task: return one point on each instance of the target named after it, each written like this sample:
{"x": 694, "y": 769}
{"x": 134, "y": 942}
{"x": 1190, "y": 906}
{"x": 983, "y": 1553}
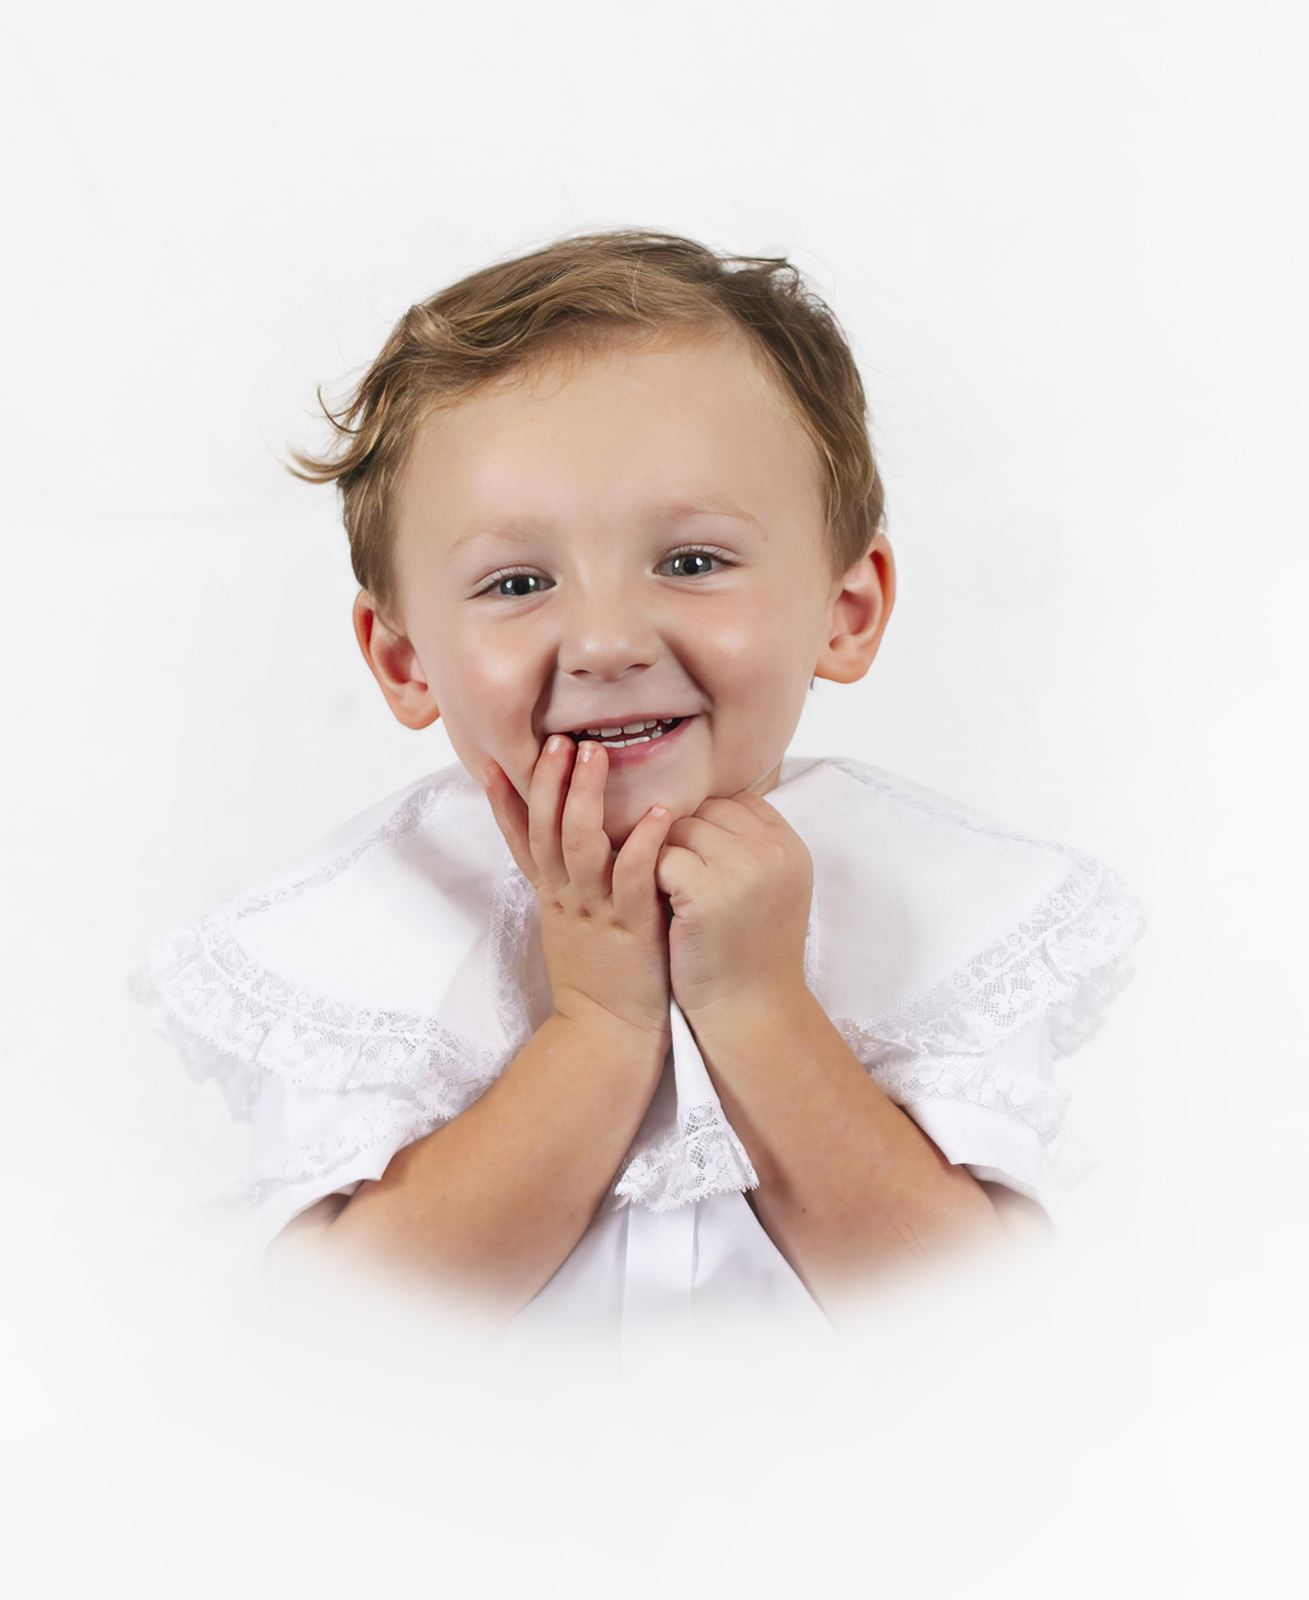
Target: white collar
{"x": 401, "y": 956}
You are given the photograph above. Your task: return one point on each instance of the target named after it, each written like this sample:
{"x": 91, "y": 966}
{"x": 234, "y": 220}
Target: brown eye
{"x": 691, "y": 564}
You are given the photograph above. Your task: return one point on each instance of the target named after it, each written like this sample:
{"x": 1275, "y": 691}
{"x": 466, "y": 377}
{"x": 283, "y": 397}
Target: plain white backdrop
{"x": 1068, "y": 242}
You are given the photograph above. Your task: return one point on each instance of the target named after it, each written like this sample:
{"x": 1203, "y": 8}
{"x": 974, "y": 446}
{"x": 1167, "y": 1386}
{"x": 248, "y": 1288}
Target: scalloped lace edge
{"x": 698, "y": 1157}
{"x": 1068, "y": 955}
{"x": 230, "y": 1016}
{"x": 1067, "y": 960}
{"x": 389, "y": 1127}
{"x": 232, "y": 1020}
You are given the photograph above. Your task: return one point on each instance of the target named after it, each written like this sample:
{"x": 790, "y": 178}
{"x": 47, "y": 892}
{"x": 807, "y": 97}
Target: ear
{"x": 860, "y": 612}
{"x": 394, "y": 662}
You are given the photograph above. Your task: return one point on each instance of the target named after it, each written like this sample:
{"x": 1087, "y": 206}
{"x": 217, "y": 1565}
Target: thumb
{"x": 679, "y": 874}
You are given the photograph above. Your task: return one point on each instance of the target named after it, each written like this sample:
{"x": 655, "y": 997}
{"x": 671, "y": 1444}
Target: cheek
{"x": 763, "y": 657}
{"x": 487, "y": 694}
{"x": 760, "y": 677}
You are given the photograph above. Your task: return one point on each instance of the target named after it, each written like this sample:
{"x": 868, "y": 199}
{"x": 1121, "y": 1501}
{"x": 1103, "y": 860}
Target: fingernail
{"x": 586, "y": 750}
{"x": 658, "y": 811}
{"x": 554, "y": 744}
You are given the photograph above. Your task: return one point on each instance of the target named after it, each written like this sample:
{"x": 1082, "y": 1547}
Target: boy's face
{"x": 631, "y": 537}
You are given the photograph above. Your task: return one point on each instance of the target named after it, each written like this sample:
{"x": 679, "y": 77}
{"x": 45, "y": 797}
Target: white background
{"x": 1069, "y": 244}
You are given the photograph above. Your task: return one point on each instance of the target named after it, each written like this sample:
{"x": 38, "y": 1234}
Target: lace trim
{"x": 697, "y": 1153}
{"x": 1069, "y": 951}
{"x": 388, "y": 1127}
{"x": 905, "y": 1076}
{"x": 1066, "y": 961}
{"x": 213, "y": 999}
{"x": 233, "y": 1021}
{"x": 697, "y": 1156}
{"x": 518, "y": 983}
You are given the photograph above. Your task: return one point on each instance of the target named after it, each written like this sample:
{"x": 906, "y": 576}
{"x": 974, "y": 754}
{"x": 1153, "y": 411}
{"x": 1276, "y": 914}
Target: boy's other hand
{"x": 603, "y": 926}
{"x": 740, "y": 880}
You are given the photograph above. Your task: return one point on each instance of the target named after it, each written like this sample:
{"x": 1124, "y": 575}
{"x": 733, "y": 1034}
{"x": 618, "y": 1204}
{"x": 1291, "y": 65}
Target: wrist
{"x": 784, "y": 1006}
{"x": 626, "y": 1033}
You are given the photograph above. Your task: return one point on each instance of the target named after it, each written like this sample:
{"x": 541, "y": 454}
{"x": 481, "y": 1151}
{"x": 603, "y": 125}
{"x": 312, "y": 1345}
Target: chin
{"x": 619, "y": 822}
{"x": 621, "y": 816}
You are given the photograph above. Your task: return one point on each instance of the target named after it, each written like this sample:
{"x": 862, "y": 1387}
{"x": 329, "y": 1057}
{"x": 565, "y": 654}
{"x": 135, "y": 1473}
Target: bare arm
{"x": 849, "y": 1185}
{"x": 496, "y": 1199}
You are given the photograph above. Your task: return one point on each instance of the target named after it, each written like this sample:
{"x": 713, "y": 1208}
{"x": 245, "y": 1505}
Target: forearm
{"x": 494, "y": 1201}
{"x": 848, "y": 1183}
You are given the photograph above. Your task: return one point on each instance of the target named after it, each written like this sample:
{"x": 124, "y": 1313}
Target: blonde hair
{"x": 575, "y": 293}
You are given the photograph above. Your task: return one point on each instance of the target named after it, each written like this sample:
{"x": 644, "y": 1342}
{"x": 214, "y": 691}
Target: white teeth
{"x": 652, "y": 728}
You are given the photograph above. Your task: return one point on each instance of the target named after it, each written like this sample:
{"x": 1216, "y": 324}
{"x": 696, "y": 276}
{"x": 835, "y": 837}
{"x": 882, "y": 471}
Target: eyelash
{"x": 714, "y": 554}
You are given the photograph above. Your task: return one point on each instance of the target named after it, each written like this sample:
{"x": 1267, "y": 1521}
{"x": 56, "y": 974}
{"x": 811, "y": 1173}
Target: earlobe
{"x": 394, "y": 662}
{"x": 860, "y": 611}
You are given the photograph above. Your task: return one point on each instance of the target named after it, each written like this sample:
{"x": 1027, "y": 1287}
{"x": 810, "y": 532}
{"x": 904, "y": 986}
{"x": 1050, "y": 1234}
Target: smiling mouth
{"x": 618, "y": 738}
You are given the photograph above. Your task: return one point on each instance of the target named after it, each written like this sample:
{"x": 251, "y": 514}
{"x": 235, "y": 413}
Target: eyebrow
{"x": 507, "y": 530}
{"x": 517, "y": 530}
{"x": 681, "y": 511}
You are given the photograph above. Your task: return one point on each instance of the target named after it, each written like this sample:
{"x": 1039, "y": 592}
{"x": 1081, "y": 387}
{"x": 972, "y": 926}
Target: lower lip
{"x": 633, "y": 755}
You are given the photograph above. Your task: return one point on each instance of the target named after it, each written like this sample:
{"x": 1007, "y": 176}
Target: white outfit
{"x": 374, "y": 992}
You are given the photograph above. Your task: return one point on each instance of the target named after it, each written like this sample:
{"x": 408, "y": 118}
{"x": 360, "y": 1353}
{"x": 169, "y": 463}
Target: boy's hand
{"x": 603, "y": 925}
{"x": 739, "y": 880}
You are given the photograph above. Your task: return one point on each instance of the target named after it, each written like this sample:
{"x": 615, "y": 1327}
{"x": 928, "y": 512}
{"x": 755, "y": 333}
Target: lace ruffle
{"x": 1065, "y": 962}
{"x": 388, "y": 1127}
{"x": 697, "y": 1157}
{"x": 235, "y": 1022}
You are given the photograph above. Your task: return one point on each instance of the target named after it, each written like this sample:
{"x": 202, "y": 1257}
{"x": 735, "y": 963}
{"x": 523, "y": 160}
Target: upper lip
{"x": 621, "y": 721}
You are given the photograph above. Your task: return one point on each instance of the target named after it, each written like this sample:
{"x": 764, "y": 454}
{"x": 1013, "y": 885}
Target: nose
{"x": 606, "y": 633}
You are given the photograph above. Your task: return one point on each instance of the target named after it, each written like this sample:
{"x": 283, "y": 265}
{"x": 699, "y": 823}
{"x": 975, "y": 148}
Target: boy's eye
{"x": 691, "y": 563}
{"x": 516, "y": 584}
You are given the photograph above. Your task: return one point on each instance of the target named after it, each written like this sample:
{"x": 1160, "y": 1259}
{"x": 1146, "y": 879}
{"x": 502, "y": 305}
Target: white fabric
{"x": 375, "y": 991}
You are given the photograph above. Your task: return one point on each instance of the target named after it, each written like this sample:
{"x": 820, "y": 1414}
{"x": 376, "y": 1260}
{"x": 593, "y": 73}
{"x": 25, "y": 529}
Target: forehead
{"x": 611, "y": 430}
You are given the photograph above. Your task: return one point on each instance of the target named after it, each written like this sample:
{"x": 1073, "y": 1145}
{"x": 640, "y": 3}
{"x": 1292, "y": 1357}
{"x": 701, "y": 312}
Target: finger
{"x": 510, "y": 812}
{"x": 737, "y": 815}
{"x": 588, "y": 855}
{"x": 545, "y": 806}
{"x": 680, "y": 874}
{"x": 707, "y": 839}
{"x": 763, "y": 809}
{"x": 634, "y": 865}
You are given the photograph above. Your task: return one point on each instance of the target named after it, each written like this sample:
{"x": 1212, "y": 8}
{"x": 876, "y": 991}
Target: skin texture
{"x": 632, "y": 534}
{"x": 590, "y": 476}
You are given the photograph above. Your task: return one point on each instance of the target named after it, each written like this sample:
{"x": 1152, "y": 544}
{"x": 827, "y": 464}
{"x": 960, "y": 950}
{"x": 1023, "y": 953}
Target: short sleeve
{"x": 331, "y": 1088}
{"x": 308, "y": 1143}
{"x": 960, "y": 960}
{"x": 971, "y": 1055}
{"x": 1011, "y": 1130}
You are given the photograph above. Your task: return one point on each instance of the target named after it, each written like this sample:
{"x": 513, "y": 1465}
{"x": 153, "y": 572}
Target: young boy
{"x": 612, "y": 507}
